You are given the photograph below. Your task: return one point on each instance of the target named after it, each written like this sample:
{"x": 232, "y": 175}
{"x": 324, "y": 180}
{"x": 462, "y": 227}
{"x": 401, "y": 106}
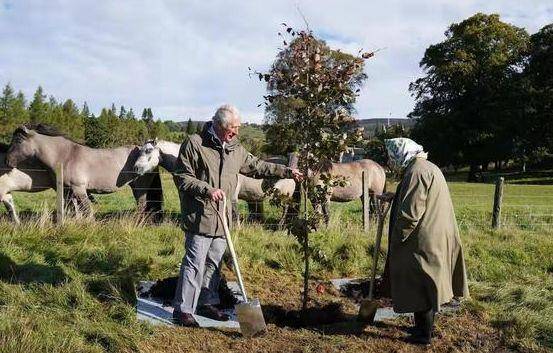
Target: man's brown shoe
{"x": 184, "y": 319}
{"x": 212, "y": 312}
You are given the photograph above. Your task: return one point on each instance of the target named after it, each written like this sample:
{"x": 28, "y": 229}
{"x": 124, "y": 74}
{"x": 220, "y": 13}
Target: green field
{"x": 70, "y": 288}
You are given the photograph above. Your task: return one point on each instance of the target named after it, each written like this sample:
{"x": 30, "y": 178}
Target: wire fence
{"x": 33, "y": 193}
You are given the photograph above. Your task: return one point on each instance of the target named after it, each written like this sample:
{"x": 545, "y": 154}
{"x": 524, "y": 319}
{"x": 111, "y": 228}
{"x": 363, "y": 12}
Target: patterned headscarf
{"x": 402, "y": 150}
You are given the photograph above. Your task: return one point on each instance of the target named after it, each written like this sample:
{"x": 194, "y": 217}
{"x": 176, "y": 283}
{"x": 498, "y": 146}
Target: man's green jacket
{"x": 204, "y": 164}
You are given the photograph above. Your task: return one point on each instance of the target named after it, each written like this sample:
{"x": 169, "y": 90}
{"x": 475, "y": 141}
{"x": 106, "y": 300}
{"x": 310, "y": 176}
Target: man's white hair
{"x": 225, "y": 114}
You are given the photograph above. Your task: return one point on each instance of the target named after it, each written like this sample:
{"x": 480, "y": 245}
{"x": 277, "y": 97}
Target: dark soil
{"x": 328, "y": 326}
{"x": 358, "y": 290}
{"x": 164, "y": 291}
{"x": 312, "y": 317}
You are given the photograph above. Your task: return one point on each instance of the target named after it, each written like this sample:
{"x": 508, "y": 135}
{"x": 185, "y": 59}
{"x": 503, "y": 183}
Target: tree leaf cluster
{"x": 486, "y": 93}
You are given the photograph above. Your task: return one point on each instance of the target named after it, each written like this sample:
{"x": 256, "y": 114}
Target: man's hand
{"x": 216, "y": 195}
{"x": 296, "y": 174}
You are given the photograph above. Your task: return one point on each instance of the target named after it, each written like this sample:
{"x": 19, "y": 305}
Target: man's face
{"x": 228, "y": 133}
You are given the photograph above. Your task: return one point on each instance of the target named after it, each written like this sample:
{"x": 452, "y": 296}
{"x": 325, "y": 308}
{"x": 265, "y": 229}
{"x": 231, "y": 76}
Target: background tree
{"x": 375, "y": 148}
{"x": 199, "y": 127}
{"x": 463, "y": 103}
{"x": 253, "y": 139}
{"x": 190, "y": 127}
{"x": 148, "y": 119}
{"x": 12, "y": 112}
{"x": 38, "y": 109}
{"x": 311, "y": 91}
{"x": 538, "y": 75}
{"x": 72, "y": 120}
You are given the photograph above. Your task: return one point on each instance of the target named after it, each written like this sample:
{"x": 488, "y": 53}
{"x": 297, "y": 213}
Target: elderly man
{"x": 207, "y": 169}
{"x": 425, "y": 254}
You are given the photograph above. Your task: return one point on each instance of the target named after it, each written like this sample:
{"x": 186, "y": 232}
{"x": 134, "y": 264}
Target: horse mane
{"x": 4, "y": 147}
{"x": 43, "y": 129}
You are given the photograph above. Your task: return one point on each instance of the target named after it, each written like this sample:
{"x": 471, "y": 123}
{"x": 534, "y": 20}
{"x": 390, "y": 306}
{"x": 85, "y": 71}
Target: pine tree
{"x": 12, "y": 112}
{"x": 199, "y": 128}
{"x": 190, "y": 128}
{"x": 38, "y": 109}
{"x": 72, "y": 120}
{"x": 85, "y": 111}
{"x": 130, "y": 114}
{"x": 122, "y": 113}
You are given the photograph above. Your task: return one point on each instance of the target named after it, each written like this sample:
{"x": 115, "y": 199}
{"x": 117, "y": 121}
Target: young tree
{"x": 311, "y": 91}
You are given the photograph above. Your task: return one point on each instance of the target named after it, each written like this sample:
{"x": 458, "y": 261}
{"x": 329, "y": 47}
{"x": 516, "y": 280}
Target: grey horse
{"x": 86, "y": 169}
{"x": 352, "y": 172}
{"x": 31, "y": 176}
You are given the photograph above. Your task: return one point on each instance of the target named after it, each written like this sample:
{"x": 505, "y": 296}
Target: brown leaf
{"x": 367, "y": 55}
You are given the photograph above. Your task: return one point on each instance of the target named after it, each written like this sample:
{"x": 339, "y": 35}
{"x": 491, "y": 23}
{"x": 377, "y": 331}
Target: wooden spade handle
{"x": 379, "y": 231}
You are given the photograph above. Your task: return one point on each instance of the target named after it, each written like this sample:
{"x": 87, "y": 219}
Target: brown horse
{"x": 86, "y": 169}
{"x": 352, "y": 172}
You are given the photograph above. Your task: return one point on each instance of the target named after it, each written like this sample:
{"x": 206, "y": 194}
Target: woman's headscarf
{"x": 402, "y": 150}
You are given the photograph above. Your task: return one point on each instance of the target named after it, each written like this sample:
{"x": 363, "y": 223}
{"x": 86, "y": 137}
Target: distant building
{"x": 373, "y": 125}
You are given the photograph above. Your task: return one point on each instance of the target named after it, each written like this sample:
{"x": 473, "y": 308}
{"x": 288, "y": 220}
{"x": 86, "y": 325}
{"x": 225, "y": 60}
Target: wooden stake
{"x": 365, "y": 180}
{"x": 498, "y": 199}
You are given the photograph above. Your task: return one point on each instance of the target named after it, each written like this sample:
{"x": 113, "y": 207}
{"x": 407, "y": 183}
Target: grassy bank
{"x": 71, "y": 288}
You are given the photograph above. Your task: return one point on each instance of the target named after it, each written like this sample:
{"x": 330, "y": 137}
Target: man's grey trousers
{"x": 199, "y": 272}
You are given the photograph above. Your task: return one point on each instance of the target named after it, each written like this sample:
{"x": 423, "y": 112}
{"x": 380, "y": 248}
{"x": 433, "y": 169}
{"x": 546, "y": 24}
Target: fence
{"x": 521, "y": 206}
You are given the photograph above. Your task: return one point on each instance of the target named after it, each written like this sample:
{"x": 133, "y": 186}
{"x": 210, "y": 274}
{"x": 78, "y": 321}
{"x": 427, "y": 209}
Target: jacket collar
{"x": 211, "y": 140}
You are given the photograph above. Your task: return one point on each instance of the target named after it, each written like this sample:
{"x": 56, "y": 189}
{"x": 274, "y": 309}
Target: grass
{"x": 71, "y": 288}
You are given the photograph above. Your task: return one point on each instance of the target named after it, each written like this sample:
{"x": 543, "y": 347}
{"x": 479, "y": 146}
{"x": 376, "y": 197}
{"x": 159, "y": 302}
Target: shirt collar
{"x": 212, "y": 132}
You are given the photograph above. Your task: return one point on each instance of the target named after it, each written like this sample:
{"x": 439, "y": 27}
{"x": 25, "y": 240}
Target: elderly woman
{"x": 427, "y": 268}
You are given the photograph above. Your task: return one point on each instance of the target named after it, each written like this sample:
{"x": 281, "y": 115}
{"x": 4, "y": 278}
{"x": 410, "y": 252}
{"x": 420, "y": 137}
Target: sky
{"x": 185, "y": 58}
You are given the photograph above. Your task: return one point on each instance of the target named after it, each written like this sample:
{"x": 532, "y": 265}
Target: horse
{"x": 154, "y": 153}
{"x": 352, "y": 172}
{"x": 254, "y": 191}
{"x": 31, "y": 176}
{"x": 87, "y": 170}
{"x": 164, "y": 153}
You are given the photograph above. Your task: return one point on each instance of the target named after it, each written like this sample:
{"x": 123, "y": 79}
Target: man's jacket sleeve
{"x": 412, "y": 204}
{"x": 184, "y": 171}
{"x": 256, "y": 168}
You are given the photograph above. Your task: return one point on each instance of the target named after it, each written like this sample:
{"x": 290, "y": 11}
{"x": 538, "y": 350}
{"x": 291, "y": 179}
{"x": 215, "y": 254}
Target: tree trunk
{"x": 474, "y": 169}
{"x": 485, "y": 166}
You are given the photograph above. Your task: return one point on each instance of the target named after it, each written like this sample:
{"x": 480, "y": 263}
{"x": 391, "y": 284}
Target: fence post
{"x": 498, "y": 198}
{"x": 365, "y": 180}
{"x": 60, "y": 201}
